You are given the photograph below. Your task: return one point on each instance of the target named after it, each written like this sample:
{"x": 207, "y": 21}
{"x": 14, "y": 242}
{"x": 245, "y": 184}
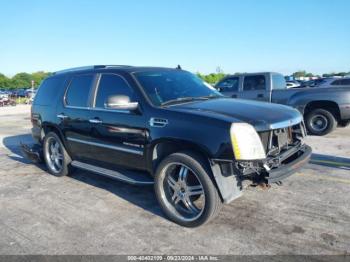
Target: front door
{"x": 229, "y": 87}
{"x": 118, "y": 136}
{"x": 255, "y": 88}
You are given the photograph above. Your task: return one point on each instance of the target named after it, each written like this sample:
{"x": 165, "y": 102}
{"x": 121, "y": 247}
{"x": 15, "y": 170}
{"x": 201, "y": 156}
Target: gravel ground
{"x": 88, "y": 214}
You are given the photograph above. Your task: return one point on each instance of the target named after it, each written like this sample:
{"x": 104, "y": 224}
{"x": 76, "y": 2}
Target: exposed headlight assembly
{"x": 246, "y": 142}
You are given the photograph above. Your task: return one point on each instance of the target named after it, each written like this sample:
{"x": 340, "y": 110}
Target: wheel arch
{"x": 328, "y": 105}
{"x": 49, "y": 127}
{"x": 163, "y": 147}
{"x": 228, "y": 187}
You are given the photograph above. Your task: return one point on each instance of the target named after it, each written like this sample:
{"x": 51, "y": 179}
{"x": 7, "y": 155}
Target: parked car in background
{"x": 292, "y": 84}
{"x": 314, "y": 82}
{"x": 323, "y": 108}
{"x": 3, "y": 95}
{"x": 335, "y": 82}
{"x": 20, "y": 92}
{"x": 5, "y": 99}
{"x": 166, "y": 127}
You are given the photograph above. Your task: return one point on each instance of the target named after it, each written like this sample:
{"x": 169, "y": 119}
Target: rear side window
{"x": 252, "y": 83}
{"x": 346, "y": 82}
{"x": 342, "y": 82}
{"x": 337, "y": 82}
{"x": 110, "y": 85}
{"x": 278, "y": 82}
{"x": 48, "y": 90}
{"x": 229, "y": 84}
{"x": 79, "y": 91}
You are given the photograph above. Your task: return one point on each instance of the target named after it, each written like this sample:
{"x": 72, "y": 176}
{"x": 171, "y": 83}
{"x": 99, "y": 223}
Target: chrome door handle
{"x": 62, "y": 116}
{"x": 95, "y": 121}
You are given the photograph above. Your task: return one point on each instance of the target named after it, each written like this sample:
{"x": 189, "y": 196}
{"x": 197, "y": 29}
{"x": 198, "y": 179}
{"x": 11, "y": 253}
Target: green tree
{"x": 39, "y": 76}
{"x": 336, "y": 74}
{"x": 212, "y": 78}
{"x": 4, "y": 81}
{"x": 309, "y": 75}
{"x": 302, "y": 73}
{"x": 21, "y": 80}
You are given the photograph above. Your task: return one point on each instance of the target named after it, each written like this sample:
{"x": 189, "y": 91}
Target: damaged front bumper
{"x": 290, "y": 165}
{"x": 229, "y": 175}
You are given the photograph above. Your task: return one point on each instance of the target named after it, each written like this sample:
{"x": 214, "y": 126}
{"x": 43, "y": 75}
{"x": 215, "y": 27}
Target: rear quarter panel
{"x": 44, "y": 108}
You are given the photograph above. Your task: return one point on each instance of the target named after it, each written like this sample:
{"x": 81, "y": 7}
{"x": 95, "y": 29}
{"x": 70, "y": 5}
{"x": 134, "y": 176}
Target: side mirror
{"x": 218, "y": 88}
{"x": 121, "y": 102}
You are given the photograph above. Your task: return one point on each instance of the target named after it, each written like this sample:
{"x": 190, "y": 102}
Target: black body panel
{"x": 132, "y": 139}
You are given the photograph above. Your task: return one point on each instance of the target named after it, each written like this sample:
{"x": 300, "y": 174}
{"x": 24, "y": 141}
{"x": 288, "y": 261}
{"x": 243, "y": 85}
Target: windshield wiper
{"x": 211, "y": 96}
{"x": 182, "y": 100}
{"x": 188, "y": 99}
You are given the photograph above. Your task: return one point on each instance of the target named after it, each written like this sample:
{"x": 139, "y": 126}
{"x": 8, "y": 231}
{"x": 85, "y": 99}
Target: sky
{"x": 200, "y": 35}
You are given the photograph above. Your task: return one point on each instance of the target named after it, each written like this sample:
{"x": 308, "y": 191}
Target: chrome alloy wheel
{"x": 319, "y": 123}
{"x": 54, "y": 155}
{"x": 182, "y": 192}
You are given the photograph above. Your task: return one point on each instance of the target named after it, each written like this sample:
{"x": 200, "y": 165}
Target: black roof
{"x": 125, "y": 68}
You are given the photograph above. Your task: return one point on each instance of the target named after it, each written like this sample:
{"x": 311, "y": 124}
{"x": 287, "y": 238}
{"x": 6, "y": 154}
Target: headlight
{"x": 246, "y": 142}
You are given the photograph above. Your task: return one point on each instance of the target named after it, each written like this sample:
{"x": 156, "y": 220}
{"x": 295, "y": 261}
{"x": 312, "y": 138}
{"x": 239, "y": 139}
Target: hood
{"x": 263, "y": 116}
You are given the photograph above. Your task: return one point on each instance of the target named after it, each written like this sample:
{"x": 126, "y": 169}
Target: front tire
{"x": 320, "y": 122}
{"x": 56, "y": 157}
{"x": 185, "y": 191}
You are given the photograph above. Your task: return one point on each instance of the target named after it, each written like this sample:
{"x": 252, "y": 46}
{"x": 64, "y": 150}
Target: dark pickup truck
{"x": 323, "y": 108}
{"x": 166, "y": 127}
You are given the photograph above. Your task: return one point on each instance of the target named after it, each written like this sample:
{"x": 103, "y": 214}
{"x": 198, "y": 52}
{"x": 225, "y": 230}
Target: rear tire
{"x": 185, "y": 191}
{"x": 320, "y": 122}
{"x": 55, "y": 155}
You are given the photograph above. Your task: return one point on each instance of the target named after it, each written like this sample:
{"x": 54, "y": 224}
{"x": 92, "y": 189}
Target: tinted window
{"x": 112, "y": 85}
{"x": 79, "y": 90}
{"x": 229, "y": 84}
{"x": 49, "y": 90}
{"x": 337, "y": 83}
{"x": 252, "y": 83}
{"x": 346, "y": 82}
{"x": 278, "y": 82}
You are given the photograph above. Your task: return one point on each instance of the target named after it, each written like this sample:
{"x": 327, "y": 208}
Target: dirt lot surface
{"x": 88, "y": 214}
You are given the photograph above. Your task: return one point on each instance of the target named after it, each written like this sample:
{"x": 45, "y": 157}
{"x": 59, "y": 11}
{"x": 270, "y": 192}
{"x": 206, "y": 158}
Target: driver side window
{"x": 110, "y": 85}
{"x": 229, "y": 84}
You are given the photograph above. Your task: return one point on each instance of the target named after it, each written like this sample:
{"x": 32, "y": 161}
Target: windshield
{"x": 163, "y": 86}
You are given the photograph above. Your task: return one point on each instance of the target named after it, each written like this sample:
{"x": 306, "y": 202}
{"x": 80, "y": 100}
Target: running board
{"x": 130, "y": 177}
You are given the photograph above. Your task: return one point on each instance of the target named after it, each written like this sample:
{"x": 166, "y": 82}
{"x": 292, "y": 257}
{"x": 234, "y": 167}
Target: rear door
{"x": 280, "y": 94}
{"x": 229, "y": 86}
{"x": 255, "y": 87}
{"x": 74, "y": 116}
{"x": 118, "y": 136}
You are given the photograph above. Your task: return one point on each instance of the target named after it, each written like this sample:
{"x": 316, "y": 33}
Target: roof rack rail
{"x": 73, "y": 69}
{"x": 109, "y": 66}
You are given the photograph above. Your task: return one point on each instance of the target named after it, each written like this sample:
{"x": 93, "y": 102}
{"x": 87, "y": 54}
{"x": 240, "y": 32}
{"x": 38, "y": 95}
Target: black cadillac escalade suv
{"x": 165, "y": 127}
